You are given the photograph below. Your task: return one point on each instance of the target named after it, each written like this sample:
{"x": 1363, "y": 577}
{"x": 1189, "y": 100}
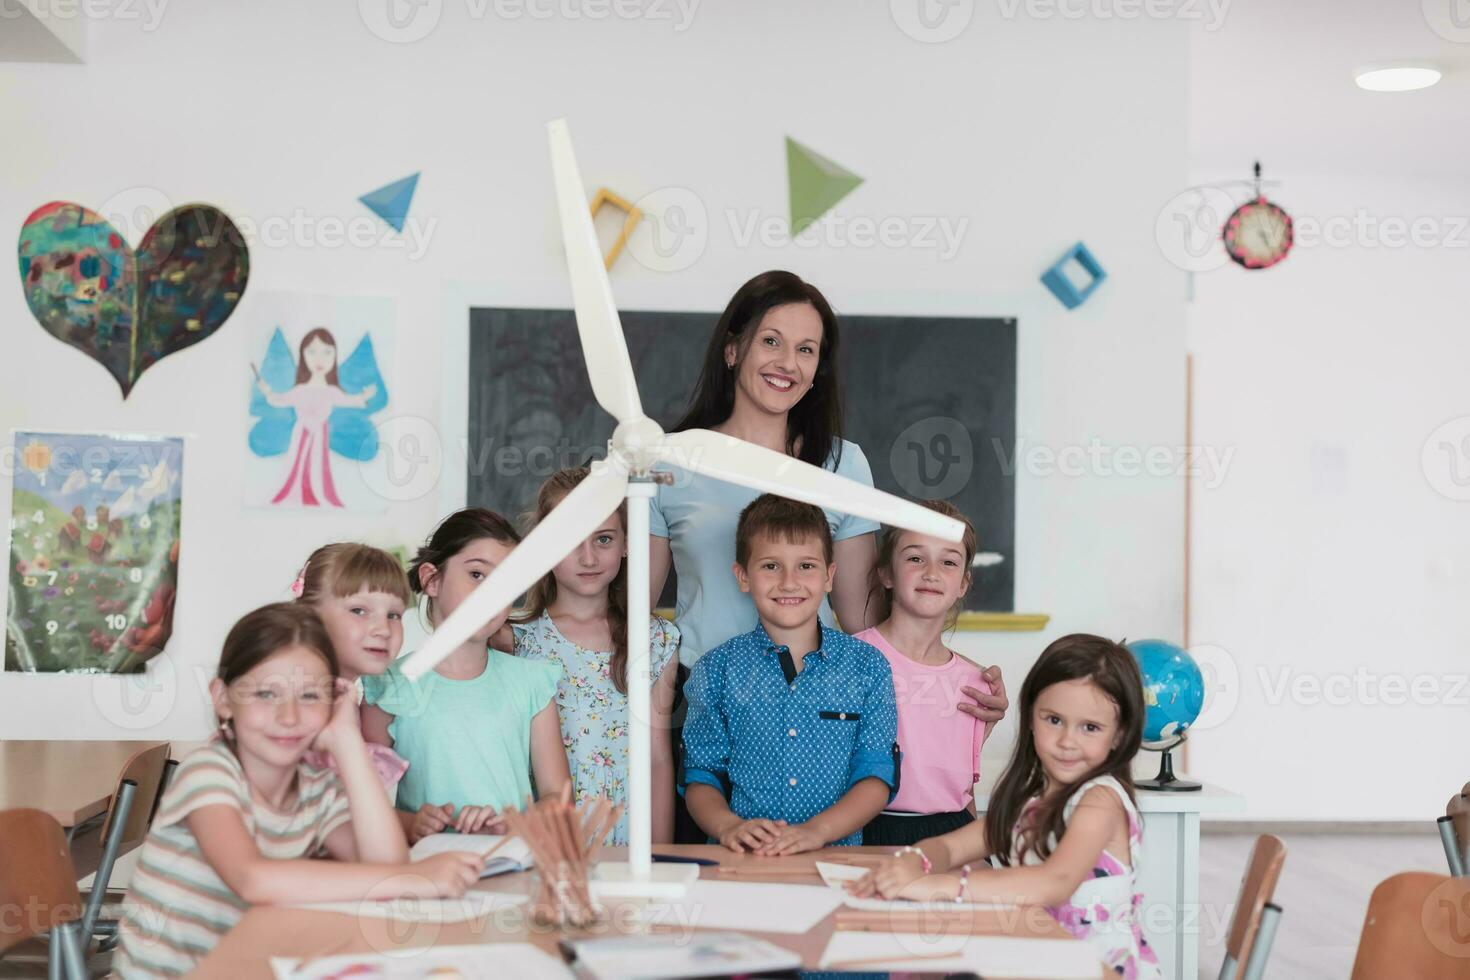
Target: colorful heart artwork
{"x": 129, "y": 310}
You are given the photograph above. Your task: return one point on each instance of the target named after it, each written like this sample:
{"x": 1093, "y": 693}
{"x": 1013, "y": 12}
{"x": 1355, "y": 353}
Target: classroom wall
{"x": 283, "y": 113}
{"x": 1330, "y": 568}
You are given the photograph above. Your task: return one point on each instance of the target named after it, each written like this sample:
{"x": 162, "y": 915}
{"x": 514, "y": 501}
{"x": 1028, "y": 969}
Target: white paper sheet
{"x": 744, "y": 906}
{"x": 482, "y": 962}
{"x": 472, "y": 906}
{"x": 838, "y": 875}
{"x": 994, "y": 957}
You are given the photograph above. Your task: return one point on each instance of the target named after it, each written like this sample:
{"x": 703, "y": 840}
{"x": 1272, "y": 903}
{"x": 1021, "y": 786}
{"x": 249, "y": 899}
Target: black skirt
{"x": 886, "y": 830}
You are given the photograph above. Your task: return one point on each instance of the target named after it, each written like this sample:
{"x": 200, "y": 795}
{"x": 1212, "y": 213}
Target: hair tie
{"x": 298, "y": 586}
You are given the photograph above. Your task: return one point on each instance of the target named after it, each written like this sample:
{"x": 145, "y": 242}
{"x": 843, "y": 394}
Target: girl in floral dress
{"x": 1062, "y": 823}
{"x": 577, "y": 618}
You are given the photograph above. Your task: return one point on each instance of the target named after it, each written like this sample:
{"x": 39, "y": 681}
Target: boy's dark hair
{"x": 783, "y": 519}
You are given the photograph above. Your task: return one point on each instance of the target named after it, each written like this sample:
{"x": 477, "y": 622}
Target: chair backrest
{"x": 1257, "y": 886}
{"x": 1458, "y": 811}
{"x": 1417, "y": 928}
{"x": 37, "y": 880}
{"x": 145, "y": 770}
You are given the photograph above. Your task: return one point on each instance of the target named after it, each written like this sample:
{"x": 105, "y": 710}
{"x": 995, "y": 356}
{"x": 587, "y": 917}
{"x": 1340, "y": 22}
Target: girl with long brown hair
{"x": 577, "y": 619}
{"x": 1062, "y": 824}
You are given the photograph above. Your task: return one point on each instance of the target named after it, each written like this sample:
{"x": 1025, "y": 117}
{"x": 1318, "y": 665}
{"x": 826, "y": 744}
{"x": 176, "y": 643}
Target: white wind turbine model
{"x": 636, "y": 446}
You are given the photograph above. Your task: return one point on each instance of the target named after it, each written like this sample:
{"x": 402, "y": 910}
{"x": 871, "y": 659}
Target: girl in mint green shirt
{"x": 478, "y": 727}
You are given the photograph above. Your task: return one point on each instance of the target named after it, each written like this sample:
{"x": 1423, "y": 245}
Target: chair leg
{"x": 1255, "y": 964}
{"x": 118, "y": 819}
{"x": 1451, "y": 847}
{"x": 64, "y": 957}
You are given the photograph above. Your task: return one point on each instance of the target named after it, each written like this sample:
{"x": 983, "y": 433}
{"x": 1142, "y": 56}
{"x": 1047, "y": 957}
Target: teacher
{"x": 769, "y": 377}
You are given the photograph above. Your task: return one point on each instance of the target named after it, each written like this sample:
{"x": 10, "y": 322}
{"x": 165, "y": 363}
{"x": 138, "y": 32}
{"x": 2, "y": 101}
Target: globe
{"x": 1173, "y": 691}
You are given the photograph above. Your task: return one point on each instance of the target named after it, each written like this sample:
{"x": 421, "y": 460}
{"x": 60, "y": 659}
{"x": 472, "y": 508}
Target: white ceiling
{"x": 1275, "y": 82}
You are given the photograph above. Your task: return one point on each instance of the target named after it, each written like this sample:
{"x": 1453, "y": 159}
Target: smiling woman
{"x": 769, "y": 377}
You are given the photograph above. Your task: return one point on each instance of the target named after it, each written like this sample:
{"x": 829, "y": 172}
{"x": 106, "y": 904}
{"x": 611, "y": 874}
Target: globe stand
{"x": 1166, "y": 781}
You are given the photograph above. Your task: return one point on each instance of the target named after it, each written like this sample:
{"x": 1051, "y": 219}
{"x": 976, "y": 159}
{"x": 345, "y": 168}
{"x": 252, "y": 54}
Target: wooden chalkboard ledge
{"x": 976, "y": 622}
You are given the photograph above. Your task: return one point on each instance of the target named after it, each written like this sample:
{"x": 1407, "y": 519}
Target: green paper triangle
{"x": 816, "y": 184}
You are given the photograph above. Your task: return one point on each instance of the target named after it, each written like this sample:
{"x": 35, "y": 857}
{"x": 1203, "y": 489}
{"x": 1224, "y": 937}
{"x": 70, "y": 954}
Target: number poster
{"x": 94, "y": 551}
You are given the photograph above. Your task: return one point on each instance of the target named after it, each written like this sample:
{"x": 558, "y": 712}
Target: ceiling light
{"x": 1401, "y": 77}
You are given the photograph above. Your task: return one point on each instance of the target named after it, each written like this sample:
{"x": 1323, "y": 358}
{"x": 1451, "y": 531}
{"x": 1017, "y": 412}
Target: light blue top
{"x": 698, "y": 515}
{"x": 468, "y": 742}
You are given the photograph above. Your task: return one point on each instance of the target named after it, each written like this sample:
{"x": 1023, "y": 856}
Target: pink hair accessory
{"x": 298, "y": 586}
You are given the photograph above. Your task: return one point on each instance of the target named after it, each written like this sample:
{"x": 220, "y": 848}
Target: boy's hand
{"x": 793, "y": 840}
{"x": 751, "y": 834}
{"x": 479, "y": 820}
{"x": 430, "y": 819}
{"x": 451, "y": 873}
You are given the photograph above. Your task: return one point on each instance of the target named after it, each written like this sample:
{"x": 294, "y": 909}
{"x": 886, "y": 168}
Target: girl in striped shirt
{"x": 244, "y": 817}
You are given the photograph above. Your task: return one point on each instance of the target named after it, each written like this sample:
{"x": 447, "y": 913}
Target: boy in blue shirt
{"x": 790, "y": 741}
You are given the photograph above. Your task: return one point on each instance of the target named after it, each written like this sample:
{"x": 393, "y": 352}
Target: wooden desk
{"x": 267, "y": 931}
{"x": 72, "y": 781}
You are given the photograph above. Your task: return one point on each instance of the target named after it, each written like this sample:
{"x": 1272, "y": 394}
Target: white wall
{"x": 1330, "y": 570}
{"x": 1039, "y": 132}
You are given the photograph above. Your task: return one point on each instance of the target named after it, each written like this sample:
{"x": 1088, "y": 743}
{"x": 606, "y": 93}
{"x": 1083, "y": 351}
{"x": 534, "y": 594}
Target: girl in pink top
{"x": 360, "y": 593}
{"x": 918, "y": 583}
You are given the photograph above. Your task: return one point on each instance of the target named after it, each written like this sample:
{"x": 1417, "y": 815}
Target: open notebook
{"x": 510, "y": 856}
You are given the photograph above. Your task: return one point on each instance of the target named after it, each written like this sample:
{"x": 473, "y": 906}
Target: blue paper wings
{"x": 352, "y": 432}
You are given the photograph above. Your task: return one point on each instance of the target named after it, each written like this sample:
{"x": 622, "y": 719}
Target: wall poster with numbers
{"x": 94, "y": 551}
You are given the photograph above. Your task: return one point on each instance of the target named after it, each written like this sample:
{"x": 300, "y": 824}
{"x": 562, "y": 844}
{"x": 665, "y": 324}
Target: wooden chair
{"x": 1417, "y": 928}
{"x": 140, "y": 786}
{"x": 1454, "y": 833}
{"x": 39, "y": 883}
{"x": 1253, "y": 926}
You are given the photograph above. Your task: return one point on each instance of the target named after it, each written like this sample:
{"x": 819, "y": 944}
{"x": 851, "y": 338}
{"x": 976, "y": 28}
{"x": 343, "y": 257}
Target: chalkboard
{"x": 931, "y": 401}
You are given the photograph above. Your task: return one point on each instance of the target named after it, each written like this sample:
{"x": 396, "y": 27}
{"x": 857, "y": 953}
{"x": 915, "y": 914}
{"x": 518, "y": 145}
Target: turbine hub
{"x": 637, "y": 441}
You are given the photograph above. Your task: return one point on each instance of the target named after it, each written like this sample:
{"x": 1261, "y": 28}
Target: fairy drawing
{"x": 326, "y": 404}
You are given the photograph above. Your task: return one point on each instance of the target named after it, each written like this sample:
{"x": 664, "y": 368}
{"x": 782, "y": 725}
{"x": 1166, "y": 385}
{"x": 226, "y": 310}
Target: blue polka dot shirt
{"x": 787, "y": 749}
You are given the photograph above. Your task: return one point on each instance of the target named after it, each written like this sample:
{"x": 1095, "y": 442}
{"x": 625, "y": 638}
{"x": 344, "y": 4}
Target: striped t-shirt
{"x": 178, "y": 907}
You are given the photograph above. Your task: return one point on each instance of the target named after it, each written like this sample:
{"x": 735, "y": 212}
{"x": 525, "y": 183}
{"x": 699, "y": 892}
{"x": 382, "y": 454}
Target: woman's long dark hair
{"x": 815, "y": 423}
{"x": 543, "y": 593}
{"x": 1078, "y": 656}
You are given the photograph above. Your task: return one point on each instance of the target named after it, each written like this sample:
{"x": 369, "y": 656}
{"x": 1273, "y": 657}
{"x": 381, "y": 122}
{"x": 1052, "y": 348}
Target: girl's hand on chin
{"x": 345, "y": 725}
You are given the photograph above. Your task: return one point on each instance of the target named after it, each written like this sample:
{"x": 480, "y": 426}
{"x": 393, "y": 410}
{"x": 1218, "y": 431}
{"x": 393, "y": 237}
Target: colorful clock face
{"x": 1258, "y": 234}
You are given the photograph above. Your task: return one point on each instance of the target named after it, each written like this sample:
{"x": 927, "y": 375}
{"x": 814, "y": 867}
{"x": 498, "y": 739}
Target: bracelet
{"x": 959, "y": 896}
{"x": 910, "y": 849}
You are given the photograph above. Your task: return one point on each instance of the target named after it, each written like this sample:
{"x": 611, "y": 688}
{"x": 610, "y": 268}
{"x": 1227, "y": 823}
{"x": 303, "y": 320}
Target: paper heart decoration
{"x": 129, "y": 310}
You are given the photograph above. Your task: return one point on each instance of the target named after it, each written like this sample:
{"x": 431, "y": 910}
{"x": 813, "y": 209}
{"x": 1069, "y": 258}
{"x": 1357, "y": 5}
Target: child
{"x": 794, "y": 720}
{"x": 243, "y": 815}
{"x": 918, "y": 583}
{"x": 577, "y": 619}
{"x": 1062, "y": 820}
{"x": 472, "y": 729}
{"x": 360, "y": 594}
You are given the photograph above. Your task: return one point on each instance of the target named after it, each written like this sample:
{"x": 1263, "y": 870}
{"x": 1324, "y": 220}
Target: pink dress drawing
{"x": 310, "y": 475}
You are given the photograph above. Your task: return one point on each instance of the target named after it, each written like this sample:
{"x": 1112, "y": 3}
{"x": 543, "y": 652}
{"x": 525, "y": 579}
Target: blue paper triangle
{"x": 392, "y": 201}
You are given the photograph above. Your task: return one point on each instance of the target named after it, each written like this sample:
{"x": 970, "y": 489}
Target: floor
{"x": 1323, "y": 894}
